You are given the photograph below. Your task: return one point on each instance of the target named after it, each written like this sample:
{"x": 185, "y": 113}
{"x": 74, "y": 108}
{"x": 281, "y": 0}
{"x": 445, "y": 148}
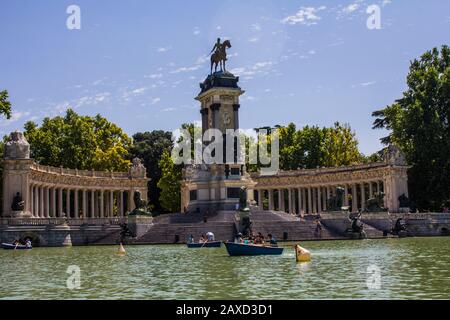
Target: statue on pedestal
{"x": 18, "y": 204}
{"x": 219, "y": 57}
{"x": 243, "y": 199}
{"x": 141, "y": 206}
{"x": 335, "y": 203}
{"x": 375, "y": 204}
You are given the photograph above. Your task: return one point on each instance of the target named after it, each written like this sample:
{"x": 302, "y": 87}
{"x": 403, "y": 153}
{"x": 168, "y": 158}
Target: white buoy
{"x": 121, "y": 249}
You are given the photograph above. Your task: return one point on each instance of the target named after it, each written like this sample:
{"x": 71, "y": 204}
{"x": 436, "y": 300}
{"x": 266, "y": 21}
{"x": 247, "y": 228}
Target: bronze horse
{"x": 219, "y": 57}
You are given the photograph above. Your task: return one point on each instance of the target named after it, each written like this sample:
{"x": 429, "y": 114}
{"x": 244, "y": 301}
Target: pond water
{"x": 409, "y": 268}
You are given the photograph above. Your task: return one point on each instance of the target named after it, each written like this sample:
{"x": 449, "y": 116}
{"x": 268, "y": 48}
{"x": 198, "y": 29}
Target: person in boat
{"x": 210, "y": 236}
{"x": 273, "y": 242}
{"x": 239, "y": 238}
{"x": 191, "y": 239}
{"x": 28, "y": 243}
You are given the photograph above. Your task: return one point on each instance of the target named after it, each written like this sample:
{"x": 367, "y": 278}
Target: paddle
{"x": 204, "y": 243}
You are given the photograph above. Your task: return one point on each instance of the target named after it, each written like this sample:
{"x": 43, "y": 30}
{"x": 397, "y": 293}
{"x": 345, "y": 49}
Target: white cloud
{"x": 154, "y": 76}
{"x": 163, "y": 49}
{"x": 350, "y": 8}
{"x": 386, "y": 2}
{"x": 306, "y": 16}
{"x": 155, "y": 100}
{"x": 255, "y": 27}
{"x": 196, "y": 31}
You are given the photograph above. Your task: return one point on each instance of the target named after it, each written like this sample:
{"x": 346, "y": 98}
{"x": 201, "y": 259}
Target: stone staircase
{"x": 179, "y": 232}
{"x": 286, "y": 227}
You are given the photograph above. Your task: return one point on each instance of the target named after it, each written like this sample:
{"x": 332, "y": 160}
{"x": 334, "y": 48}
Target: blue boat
{"x": 241, "y": 249}
{"x": 212, "y": 244}
{"x": 8, "y": 246}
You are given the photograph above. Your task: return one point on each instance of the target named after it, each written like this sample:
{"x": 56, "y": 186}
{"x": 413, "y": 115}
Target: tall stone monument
{"x": 16, "y": 168}
{"x": 217, "y": 186}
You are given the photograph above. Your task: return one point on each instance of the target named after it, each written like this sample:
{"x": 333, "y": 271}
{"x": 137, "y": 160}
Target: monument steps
{"x": 179, "y": 232}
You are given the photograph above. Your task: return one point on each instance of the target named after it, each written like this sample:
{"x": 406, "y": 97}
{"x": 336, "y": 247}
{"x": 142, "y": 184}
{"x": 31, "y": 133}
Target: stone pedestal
{"x": 211, "y": 187}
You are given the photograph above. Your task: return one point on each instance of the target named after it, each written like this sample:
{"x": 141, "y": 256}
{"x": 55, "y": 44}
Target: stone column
{"x": 75, "y": 199}
{"x": 370, "y": 189}
{"x": 363, "y": 196}
{"x": 216, "y": 115}
{"x": 111, "y": 203}
{"x": 102, "y": 204}
{"x": 68, "y": 203}
{"x": 36, "y": 201}
{"x": 289, "y": 200}
{"x": 236, "y": 116}
{"x": 93, "y": 211}
{"x": 300, "y": 202}
{"x": 309, "y": 200}
{"x": 84, "y": 204}
{"x": 354, "y": 198}
{"x": 47, "y": 202}
{"x": 319, "y": 201}
{"x": 280, "y": 199}
{"x": 204, "y": 113}
{"x": 32, "y": 200}
{"x": 41, "y": 202}
{"x": 131, "y": 205}
{"x": 53, "y": 203}
{"x": 345, "y": 195}
{"x": 271, "y": 199}
{"x": 304, "y": 200}
{"x": 328, "y": 193}
{"x": 378, "y": 186}
{"x": 260, "y": 199}
{"x": 121, "y": 203}
{"x": 60, "y": 202}
{"x": 324, "y": 198}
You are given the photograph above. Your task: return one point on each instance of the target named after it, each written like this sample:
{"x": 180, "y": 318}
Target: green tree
{"x": 170, "y": 183}
{"x": 149, "y": 146}
{"x": 419, "y": 123}
{"x": 80, "y": 142}
{"x": 5, "y": 105}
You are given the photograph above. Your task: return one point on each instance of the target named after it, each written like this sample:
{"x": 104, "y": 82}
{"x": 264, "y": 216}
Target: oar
{"x": 204, "y": 244}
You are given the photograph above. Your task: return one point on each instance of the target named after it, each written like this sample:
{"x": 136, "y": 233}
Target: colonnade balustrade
{"x": 54, "y": 202}
{"x": 313, "y": 199}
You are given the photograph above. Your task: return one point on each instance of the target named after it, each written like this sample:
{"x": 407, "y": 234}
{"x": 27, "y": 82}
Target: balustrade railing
{"x": 62, "y": 221}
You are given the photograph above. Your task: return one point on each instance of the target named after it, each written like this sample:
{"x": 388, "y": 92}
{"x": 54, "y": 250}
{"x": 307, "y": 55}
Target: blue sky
{"x": 139, "y": 63}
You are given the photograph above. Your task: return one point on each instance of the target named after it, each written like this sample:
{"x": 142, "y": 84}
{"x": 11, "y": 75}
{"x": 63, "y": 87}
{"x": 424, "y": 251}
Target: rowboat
{"x": 241, "y": 249}
{"x": 301, "y": 254}
{"x": 8, "y": 246}
{"x": 211, "y": 244}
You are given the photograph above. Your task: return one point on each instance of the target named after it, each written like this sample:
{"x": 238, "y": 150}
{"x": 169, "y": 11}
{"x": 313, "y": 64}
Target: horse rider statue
{"x": 219, "y": 57}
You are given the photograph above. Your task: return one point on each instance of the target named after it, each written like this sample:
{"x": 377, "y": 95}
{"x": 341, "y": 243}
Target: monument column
{"x": 47, "y": 202}
{"x": 236, "y": 116}
{"x": 32, "y": 200}
{"x": 93, "y": 204}
{"x": 68, "y": 203}
{"x": 363, "y": 196}
{"x": 111, "y": 203}
{"x": 204, "y": 112}
{"x": 102, "y": 213}
{"x": 270, "y": 199}
{"x": 41, "y": 202}
{"x": 260, "y": 199}
{"x": 75, "y": 205}
{"x": 60, "y": 202}
{"x": 300, "y": 202}
{"x": 346, "y": 195}
{"x": 290, "y": 200}
{"x": 215, "y": 115}
{"x": 370, "y": 189}
{"x": 84, "y": 204}
{"x": 354, "y": 198}
{"x": 309, "y": 200}
{"x": 121, "y": 203}
{"x": 319, "y": 201}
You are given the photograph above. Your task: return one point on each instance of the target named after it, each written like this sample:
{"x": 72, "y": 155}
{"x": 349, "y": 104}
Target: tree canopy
{"x": 170, "y": 183}
{"x": 149, "y": 146}
{"x": 418, "y": 123}
{"x": 5, "y": 105}
{"x": 81, "y": 142}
